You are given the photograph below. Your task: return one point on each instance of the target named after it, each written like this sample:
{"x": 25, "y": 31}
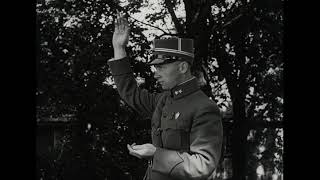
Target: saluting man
{"x": 186, "y": 125}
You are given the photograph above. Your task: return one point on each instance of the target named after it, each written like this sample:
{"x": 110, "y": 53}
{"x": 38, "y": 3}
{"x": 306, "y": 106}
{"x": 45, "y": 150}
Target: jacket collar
{"x": 185, "y": 88}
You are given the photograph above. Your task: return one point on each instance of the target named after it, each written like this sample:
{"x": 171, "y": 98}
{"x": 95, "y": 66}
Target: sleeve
{"x": 139, "y": 99}
{"x": 205, "y": 149}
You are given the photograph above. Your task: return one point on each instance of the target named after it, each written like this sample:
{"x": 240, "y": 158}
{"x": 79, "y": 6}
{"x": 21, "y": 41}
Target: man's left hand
{"x": 142, "y": 151}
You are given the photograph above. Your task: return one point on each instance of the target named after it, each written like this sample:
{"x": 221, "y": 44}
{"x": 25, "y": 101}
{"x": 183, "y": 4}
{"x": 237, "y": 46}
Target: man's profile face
{"x": 167, "y": 75}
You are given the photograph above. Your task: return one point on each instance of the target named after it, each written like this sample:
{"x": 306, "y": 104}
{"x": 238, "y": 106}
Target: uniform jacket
{"x": 186, "y": 125}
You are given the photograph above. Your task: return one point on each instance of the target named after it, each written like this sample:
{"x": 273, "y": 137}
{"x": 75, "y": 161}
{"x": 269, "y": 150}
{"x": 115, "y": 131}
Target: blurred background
{"x": 82, "y": 124}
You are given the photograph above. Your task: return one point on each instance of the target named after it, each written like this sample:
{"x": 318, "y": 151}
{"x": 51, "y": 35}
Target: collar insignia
{"x": 178, "y": 91}
{"x": 177, "y": 114}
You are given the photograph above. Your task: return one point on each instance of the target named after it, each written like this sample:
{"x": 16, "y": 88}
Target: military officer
{"x": 186, "y": 128}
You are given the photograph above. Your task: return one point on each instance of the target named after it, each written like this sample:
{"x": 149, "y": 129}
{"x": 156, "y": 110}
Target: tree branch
{"x": 136, "y": 20}
{"x": 247, "y": 7}
{"x": 165, "y": 24}
{"x": 227, "y": 23}
{"x": 218, "y": 88}
{"x": 203, "y": 11}
{"x": 175, "y": 20}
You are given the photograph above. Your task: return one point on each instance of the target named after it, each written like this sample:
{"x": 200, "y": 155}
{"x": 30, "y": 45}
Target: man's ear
{"x": 183, "y": 67}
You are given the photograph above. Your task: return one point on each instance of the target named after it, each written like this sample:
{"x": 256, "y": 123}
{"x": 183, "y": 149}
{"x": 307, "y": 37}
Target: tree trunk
{"x": 238, "y": 149}
{"x": 239, "y": 135}
{"x": 198, "y": 29}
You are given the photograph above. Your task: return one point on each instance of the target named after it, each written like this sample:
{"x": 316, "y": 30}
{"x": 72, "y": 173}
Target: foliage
{"x": 74, "y": 40}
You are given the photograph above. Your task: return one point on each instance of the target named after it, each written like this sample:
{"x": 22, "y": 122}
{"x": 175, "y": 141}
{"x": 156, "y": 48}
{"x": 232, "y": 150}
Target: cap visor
{"x": 156, "y": 61}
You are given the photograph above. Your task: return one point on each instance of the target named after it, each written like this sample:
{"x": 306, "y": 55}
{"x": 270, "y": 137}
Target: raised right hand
{"x": 121, "y": 32}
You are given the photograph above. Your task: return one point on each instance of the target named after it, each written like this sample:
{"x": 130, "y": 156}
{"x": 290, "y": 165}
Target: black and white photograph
{"x": 159, "y": 89}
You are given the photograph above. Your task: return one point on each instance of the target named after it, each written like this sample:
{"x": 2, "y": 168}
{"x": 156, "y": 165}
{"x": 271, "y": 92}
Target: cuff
{"x": 120, "y": 66}
{"x": 165, "y": 161}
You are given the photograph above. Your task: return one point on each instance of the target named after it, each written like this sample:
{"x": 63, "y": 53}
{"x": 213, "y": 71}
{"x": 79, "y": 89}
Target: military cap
{"x": 172, "y": 49}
